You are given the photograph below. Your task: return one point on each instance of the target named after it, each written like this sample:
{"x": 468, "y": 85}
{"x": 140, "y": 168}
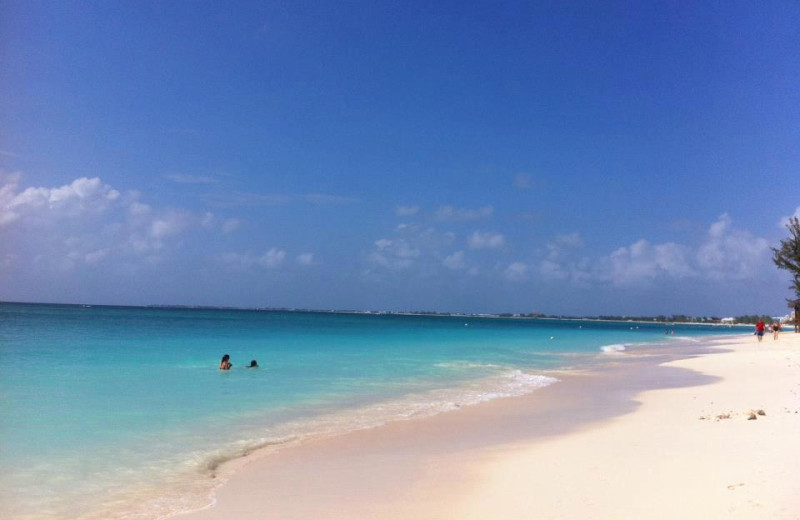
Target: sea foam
{"x": 613, "y": 349}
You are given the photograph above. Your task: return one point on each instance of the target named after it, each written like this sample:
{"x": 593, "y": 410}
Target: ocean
{"x": 122, "y": 412}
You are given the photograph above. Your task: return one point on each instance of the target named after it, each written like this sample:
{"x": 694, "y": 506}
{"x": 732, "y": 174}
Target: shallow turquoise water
{"x": 110, "y": 409}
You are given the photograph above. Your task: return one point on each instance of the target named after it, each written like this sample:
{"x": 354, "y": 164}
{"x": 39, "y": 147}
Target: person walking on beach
{"x": 760, "y": 330}
{"x": 225, "y": 363}
{"x": 776, "y": 329}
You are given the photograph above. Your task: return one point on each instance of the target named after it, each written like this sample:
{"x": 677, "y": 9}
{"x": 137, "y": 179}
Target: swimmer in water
{"x": 225, "y": 363}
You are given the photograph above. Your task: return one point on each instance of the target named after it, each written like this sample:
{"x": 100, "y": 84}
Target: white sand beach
{"x": 713, "y": 434}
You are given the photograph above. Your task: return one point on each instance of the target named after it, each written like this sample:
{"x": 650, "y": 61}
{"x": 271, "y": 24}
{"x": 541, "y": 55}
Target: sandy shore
{"x": 651, "y": 435}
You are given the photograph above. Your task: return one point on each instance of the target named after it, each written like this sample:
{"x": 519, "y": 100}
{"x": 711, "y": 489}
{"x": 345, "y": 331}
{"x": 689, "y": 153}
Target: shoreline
{"x": 391, "y": 471}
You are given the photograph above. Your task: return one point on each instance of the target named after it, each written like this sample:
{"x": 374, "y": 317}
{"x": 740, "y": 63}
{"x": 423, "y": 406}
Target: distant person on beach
{"x": 225, "y": 364}
{"x": 760, "y": 330}
{"x": 776, "y": 329}
{"x": 253, "y": 364}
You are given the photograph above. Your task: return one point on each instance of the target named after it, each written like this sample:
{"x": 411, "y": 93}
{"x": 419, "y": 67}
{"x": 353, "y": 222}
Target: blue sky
{"x": 556, "y": 157}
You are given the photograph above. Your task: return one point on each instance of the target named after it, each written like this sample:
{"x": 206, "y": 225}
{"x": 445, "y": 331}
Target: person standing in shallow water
{"x": 760, "y": 330}
{"x": 225, "y": 363}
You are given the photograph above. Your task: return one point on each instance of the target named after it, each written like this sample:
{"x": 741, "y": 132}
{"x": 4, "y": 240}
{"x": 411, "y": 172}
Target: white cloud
{"x": 726, "y": 254}
{"x": 82, "y": 197}
{"x": 784, "y": 221}
{"x": 479, "y": 240}
{"x": 9, "y": 182}
{"x": 452, "y": 214}
{"x": 731, "y": 254}
{"x": 305, "y": 259}
{"x": 87, "y": 222}
{"x": 517, "y": 272}
{"x": 394, "y": 254}
{"x": 560, "y": 263}
{"x": 553, "y": 270}
{"x": 227, "y": 226}
{"x": 642, "y": 262}
{"x": 412, "y": 245}
{"x": 456, "y": 261}
{"x": 138, "y": 209}
{"x": 169, "y": 224}
{"x": 406, "y": 211}
{"x": 272, "y": 258}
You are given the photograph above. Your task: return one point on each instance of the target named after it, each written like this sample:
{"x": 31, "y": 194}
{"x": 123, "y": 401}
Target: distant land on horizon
{"x": 672, "y": 318}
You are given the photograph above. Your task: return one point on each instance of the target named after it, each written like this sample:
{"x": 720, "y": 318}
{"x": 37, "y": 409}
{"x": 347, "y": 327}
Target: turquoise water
{"x": 112, "y": 412}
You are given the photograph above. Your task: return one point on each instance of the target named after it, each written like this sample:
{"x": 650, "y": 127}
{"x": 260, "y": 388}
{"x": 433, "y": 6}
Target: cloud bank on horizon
{"x": 93, "y": 235}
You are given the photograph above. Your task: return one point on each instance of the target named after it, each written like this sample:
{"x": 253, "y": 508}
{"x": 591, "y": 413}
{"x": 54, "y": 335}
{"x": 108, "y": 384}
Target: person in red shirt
{"x": 760, "y": 330}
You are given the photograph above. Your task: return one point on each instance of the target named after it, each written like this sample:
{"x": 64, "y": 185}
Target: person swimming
{"x": 253, "y": 364}
{"x": 225, "y": 363}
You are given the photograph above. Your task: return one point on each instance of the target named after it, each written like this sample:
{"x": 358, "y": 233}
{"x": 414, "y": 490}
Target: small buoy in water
{"x": 552, "y": 337}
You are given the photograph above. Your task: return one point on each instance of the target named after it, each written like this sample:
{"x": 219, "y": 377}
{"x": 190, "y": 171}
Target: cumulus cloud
{"x": 81, "y": 197}
{"x": 643, "y": 262}
{"x": 169, "y": 224}
{"x": 731, "y": 254}
{"x": 479, "y": 240}
{"x": 394, "y": 254}
{"x": 9, "y": 182}
{"x": 726, "y": 253}
{"x": 87, "y": 222}
{"x": 560, "y": 263}
{"x": 411, "y": 245}
{"x": 452, "y": 214}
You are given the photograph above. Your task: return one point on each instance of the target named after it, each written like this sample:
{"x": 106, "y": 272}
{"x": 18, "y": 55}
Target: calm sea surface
{"x": 116, "y": 412}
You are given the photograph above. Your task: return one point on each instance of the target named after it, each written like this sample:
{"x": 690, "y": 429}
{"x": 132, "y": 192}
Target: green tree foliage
{"x": 788, "y": 255}
{"x": 753, "y": 318}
